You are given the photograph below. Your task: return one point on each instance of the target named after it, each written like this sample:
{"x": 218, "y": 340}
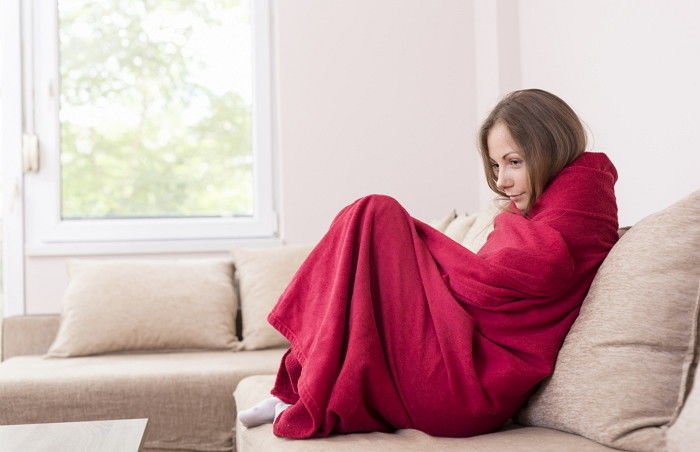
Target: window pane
{"x": 155, "y": 108}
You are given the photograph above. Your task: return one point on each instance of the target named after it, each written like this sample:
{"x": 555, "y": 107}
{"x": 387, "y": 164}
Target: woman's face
{"x": 508, "y": 165}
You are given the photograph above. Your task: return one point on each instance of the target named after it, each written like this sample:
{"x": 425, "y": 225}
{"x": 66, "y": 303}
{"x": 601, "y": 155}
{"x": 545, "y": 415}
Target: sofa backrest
{"x": 28, "y": 334}
{"x": 33, "y": 334}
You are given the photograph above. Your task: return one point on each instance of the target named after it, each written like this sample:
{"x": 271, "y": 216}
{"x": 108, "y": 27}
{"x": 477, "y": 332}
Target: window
{"x": 153, "y": 123}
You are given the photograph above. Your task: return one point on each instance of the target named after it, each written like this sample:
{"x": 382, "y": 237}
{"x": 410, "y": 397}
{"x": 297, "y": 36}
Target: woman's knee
{"x": 382, "y": 201}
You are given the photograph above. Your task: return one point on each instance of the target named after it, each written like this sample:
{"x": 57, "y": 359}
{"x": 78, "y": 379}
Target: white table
{"x": 122, "y": 435}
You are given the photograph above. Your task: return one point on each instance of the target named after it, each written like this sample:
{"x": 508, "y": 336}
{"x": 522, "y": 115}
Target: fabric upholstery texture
{"x": 129, "y": 304}
{"x": 262, "y": 275}
{"x": 459, "y": 226}
{"x": 441, "y": 223}
{"x": 684, "y": 433}
{"x": 480, "y": 229}
{"x": 28, "y": 334}
{"x": 523, "y": 439}
{"x": 471, "y": 230}
{"x": 185, "y": 395}
{"x": 624, "y": 369}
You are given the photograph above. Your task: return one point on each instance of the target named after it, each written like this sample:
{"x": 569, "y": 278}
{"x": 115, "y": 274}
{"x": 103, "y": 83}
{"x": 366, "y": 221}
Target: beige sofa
{"x": 187, "y": 396}
{"x": 191, "y": 398}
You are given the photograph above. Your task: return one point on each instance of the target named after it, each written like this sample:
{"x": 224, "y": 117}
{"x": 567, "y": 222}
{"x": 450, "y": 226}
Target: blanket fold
{"x": 394, "y": 325}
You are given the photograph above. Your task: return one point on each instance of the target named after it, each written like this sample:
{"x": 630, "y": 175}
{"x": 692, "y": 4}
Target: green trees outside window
{"x": 155, "y": 108}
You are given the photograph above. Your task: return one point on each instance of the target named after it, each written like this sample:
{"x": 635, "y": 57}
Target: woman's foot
{"x": 279, "y": 408}
{"x": 262, "y": 413}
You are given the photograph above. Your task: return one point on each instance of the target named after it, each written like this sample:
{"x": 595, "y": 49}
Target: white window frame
{"x": 48, "y": 234}
{"x": 10, "y": 158}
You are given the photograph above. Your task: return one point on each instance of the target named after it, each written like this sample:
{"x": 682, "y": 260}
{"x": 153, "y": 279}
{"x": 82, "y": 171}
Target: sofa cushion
{"x": 684, "y": 434}
{"x": 458, "y": 227}
{"x": 253, "y": 389}
{"x": 479, "y": 231}
{"x": 623, "y": 371}
{"x": 441, "y": 223}
{"x": 262, "y": 274}
{"x": 471, "y": 230}
{"x": 134, "y": 304}
{"x": 185, "y": 396}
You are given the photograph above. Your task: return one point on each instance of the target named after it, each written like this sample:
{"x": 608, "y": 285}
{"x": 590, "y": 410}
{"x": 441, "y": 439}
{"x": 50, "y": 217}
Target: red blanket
{"x": 394, "y": 325}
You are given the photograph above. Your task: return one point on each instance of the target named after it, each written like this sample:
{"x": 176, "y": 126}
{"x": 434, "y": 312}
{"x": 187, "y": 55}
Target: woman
{"x": 394, "y": 325}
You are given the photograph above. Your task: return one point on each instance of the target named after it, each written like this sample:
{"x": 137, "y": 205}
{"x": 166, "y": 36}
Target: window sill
{"x": 145, "y": 246}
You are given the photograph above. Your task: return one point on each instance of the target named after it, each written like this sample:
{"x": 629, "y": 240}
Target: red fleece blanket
{"x": 394, "y": 325}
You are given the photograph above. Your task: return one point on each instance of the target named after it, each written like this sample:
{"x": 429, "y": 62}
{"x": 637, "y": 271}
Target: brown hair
{"x": 546, "y": 130}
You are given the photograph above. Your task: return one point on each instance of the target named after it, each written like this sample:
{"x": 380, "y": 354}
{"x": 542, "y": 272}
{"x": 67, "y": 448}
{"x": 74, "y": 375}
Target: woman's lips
{"x": 514, "y": 197}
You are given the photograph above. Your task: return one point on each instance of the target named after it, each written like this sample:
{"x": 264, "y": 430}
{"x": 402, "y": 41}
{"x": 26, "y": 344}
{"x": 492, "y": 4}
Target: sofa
{"x": 623, "y": 379}
{"x": 168, "y": 388}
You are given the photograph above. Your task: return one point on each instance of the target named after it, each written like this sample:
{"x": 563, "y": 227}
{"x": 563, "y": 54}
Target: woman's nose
{"x": 503, "y": 181}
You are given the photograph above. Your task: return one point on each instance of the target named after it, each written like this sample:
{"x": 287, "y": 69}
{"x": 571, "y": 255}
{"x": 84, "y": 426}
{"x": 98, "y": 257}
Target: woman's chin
{"x": 519, "y": 205}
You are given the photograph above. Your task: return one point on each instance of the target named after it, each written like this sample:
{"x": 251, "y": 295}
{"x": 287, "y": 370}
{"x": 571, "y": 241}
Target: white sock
{"x": 261, "y": 413}
{"x": 281, "y": 406}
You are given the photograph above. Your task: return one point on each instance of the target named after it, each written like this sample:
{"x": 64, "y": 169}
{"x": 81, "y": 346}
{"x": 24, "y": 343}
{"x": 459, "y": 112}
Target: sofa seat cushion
{"x": 185, "y": 396}
{"x": 253, "y": 389}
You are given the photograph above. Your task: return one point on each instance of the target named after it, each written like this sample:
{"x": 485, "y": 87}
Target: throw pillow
{"x": 469, "y": 230}
{"x": 622, "y": 374}
{"x": 262, "y": 274}
{"x": 459, "y": 226}
{"x": 441, "y": 223}
{"x": 479, "y": 231}
{"x": 120, "y": 305}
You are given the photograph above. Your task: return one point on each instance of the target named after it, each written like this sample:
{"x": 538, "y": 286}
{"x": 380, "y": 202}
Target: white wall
{"x": 374, "y": 97}
{"x": 631, "y": 71}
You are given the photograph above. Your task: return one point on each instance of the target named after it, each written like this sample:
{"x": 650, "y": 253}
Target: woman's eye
{"x": 516, "y": 162}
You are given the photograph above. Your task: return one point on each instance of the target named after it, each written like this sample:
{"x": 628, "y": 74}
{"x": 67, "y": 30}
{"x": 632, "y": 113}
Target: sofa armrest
{"x": 28, "y": 334}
